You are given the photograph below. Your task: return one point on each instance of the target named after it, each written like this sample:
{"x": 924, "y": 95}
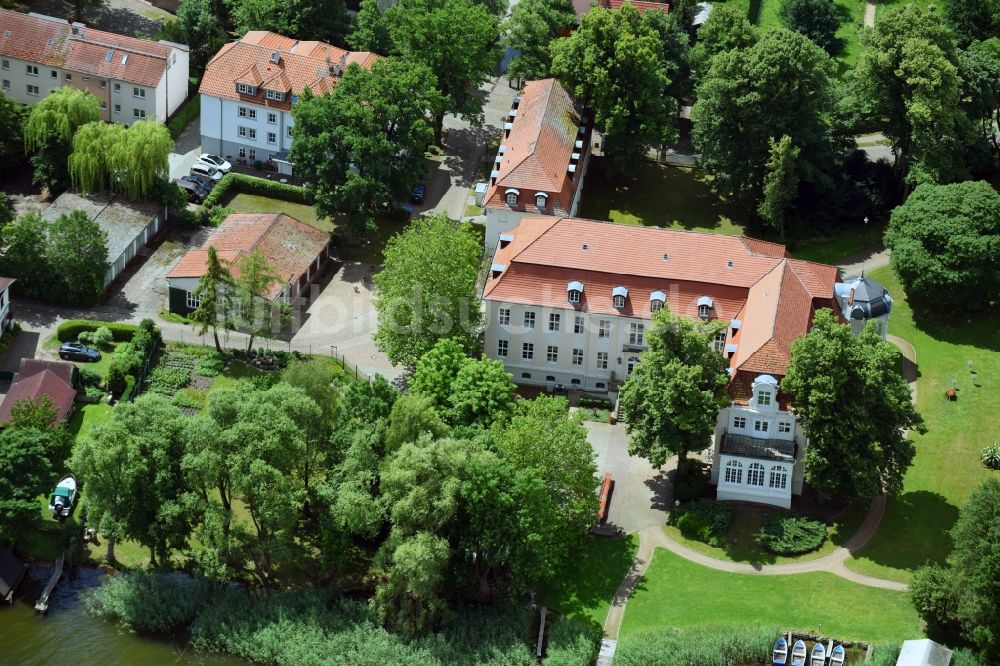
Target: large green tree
{"x": 200, "y": 30}
{"x": 214, "y": 293}
{"x": 131, "y": 161}
{"x": 371, "y": 29}
{"x": 25, "y": 473}
{"x": 780, "y": 86}
{"x": 855, "y": 407}
{"x": 944, "y": 241}
{"x": 816, "y": 19}
{"x": 23, "y": 256}
{"x": 979, "y": 69}
{"x": 615, "y": 63}
{"x": 455, "y": 39}
{"x": 436, "y": 370}
{"x": 253, "y": 310}
{"x": 12, "y": 118}
{"x": 481, "y": 393}
{"x": 132, "y": 467}
{"x": 533, "y": 26}
{"x": 76, "y": 251}
{"x": 908, "y": 76}
{"x": 973, "y": 20}
{"x": 781, "y": 183}
{"x": 727, "y": 28}
{"x": 672, "y": 398}
{"x": 961, "y": 596}
{"x": 48, "y": 133}
{"x": 359, "y": 145}
{"x": 322, "y": 20}
{"x": 91, "y": 162}
{"x": 426, "y": 290}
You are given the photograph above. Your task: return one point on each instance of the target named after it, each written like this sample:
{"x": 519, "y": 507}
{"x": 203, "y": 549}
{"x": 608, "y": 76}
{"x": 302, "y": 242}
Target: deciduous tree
{"x": 371, "y": 30}
{"x": 25, "y": 473}
{"x": 781, "y": 183}
{"x": 727, "y": 28}
{"x": 214, "y": 293}
{"x": 436, "y": 370}
{"x": 672, "y": 398}
{"x": 76, "y": 251}
{"x": 979, "y": 69}
{"x": 481, "y": 393}
{"x": 816, "y": 19}
{"x": 855, "y": 407}
{"x": 325, "y": 21}
{"x": 23, "y": 255}
{"x": 253, "y": 309}
{"x": 943, "y": 241}
{"x": 48, "y": 133}
{"x": 533, "y": 26}
{"x": 12, "y": 119}
{"x": 426, "y": 290}
{"x": 200, "y": 30}
{"x": 973, "y": 20}
{"x": 412, "y": 416}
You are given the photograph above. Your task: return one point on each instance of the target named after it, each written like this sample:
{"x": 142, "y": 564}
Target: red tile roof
{"x": 51, "y": 41}
{"x": 642, "y": 5}
{"x": 773, "y": 296}
{"x": 538, "y": 151}
{"x": 289, "y": 245}
{"x": 5, "y": 282}
{"x": 32, "y": 366}
{"x": 33, "y": 388}
{"x": 301, "y": 65}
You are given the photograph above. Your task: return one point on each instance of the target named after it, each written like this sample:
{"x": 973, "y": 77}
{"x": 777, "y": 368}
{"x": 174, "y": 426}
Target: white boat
{"x": 780, "y": 651}
{"x": 799, "y": 653}
{"x": 63, "y": 498}
{"x": 818, "y": 657}
{"x": 838, "y": 655}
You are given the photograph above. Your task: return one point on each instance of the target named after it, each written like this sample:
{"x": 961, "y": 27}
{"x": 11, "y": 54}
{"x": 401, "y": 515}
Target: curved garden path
{"x": 654, "y": 537}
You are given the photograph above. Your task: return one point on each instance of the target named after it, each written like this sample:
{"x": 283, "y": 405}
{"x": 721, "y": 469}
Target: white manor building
{"x": 249, "y": 89}
{"x": 568, "y": 303}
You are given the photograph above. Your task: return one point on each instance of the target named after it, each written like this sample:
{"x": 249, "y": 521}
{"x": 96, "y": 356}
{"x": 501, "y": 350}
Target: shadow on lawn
{"x": 978, "y": 330}
{"x": 935, "y": 517}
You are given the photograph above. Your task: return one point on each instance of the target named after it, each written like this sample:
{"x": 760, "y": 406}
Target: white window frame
{"x": 28, "y": 89}
{"x": 574, "y": 296}
{"x": 276, "y": 96}
{"x": 703, "y": 311}
{"x": 252, "y": 155}
{"x": 734, "y": 472}
{"x": 252, "y": 133}
{"x": 577, "y": 356}
{"x": 117, "y": 87}
{"x": 739, "y": 422}
{"x": 777, "y": 478}
{"x": 602, "y": 360}
{"x": 242, "y": 113}
{"x": 529, "y": 319}
{"x": 118, "y": 108}
{"x": 246, "y": 89}
{"x": 618, "y": 302}
{"x": 54, "y": 74}
{"x": 503, "y": 347}
{"x": 242, "y": 152}
{"x": 784, "y": 426}
{"x": 528, "y": 350}
{"x": 241, "y": 131}
{"x": 272, "y": 118}
{"x": 578, "y": 325}
{"x": 760, "y": 426}
{"x": 755, "y": 475}
{"x": 541, "y": 200}
{"x": 635, "y": 334}
{"x": 503, "y": 317}
{"x": 655, "y": 305}
{"x": 5, "y": 65}
{"x": 763, "y": 398}
{"x": 719, "y": 341}
{"x": 604, "y": 328}
{"x": 555, "y": 321}
{"x": 31, "y": 70}
{"x": 552, "y": 354}
{"x": 288, "y": 131}
{"x": 138, "y": 93}
{"x": 139, "y": 114}
{"x": 192, "y": 299}
{"x": 6, "y": 84}
{"x": 272, "y": 137}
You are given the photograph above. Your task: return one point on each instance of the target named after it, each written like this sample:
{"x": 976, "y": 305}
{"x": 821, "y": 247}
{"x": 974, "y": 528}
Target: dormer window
{"x": 511, "y": 196}
{"x": 574, "y": 290}
{"x": 541, "y": 200}
{"x": 764, "y": 389}
{"x": 276, "y": 96}
{"x": 246, "y": 89}
{"x": 618, "y": 296}
{"x": 656, "y": 300}
{"x": 704, "y": 307}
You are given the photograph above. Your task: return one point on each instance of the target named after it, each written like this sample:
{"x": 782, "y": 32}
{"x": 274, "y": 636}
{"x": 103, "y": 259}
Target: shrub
{"x": 572, "y": 643}
{"x": 701, "y": 646}
{"x": 93, "y": 391}
{"x": 90, "y": 377}
{"x": 714, "y": 516}
{"x": 191, "y": 398}
{"x": 128, "y": 358}
{"x": 991, "y": 456}
{"x": 162, "y": 603}
{"x": 791, "y": 535}
{"x": 117, "y": 378}
{"x": 70, "y": 330}
{"x": 211, "y": 366}
{"x": 595, "y": 403}
{"x": 693, "y": 526}
{"x": 184, "y": 117}
{"x": 100, "y": 338}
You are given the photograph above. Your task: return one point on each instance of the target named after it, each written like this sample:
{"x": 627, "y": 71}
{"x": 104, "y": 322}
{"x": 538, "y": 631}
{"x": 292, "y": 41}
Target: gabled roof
{"x": 33, "y": 366}
{"x": 34, "y": 387}
{"x": 772, "y": 295}
{"x": 289, "y": 245}
{"x": 55, "y": 42}
{"x": 300, "y": 65}
{"x": 539, "y": 149}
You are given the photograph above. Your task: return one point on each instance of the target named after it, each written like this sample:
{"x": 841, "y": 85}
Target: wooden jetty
{"x": 43, "y": 601}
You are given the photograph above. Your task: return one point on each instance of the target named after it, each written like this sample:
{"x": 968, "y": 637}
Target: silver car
{"x": 207, "y": 170}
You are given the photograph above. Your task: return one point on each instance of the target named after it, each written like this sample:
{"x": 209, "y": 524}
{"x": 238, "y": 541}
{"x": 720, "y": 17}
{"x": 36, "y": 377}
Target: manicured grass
{"x": 743, "y": 536}
{"x": 101, "y": 366}
{"x": 252, "y": 203}
{"x": 585, "y": 591}
{"x": 86, "y": 416}
{"x": 678, "y": 593}
{"x": 947, "y": 466}
{"x": 663, "y": 196}
{"x": 834, "y": 249}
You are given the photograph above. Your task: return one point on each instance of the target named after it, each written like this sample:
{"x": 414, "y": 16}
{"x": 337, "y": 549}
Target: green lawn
{"x": 86, "y": 416}
{"x": 236, "y": 371}
{"x": 585, "y": 592}
{"x": 678, "y": 593}
{"x": 834, "y": 249}
{"x": 947, "y": 467}
{"x": 743, "y": 536}
{"x": 252, "y": 203}
{"x": 663, "y": 196}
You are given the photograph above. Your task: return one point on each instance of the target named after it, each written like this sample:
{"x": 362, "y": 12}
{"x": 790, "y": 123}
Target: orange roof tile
{"x": 52, "y": 41}
{"x": 301, "y": 65}
{"x": 642, "y": 5}
{"x": 539, "y": 149}
{"x": 773, "y": 296}
{"x": 289, "y": 245}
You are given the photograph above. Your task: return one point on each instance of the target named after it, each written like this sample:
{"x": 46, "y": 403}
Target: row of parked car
{"x": 205, "y": 173}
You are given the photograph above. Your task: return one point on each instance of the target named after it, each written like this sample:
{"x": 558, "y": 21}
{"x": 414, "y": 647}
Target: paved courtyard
{"x": 641, "y": 494}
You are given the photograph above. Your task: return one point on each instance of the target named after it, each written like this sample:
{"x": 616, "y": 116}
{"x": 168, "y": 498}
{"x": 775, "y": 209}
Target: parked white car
{"x": 216, "y": 161}
{"x": 207, "y": 170}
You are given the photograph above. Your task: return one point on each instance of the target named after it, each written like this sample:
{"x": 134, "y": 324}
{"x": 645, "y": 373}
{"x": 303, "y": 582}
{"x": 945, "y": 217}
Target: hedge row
{"x": 71, "y": 329}
{"x": 236, "y": 183}
{"x": 185, "y": 116}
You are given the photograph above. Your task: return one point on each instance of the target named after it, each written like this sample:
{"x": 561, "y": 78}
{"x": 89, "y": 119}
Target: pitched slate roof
{"x": 538, "y": 150}
{"x": 301, "y": 65}
{"x": 289, "y": 245}
{"x": 52, "y": 41}
{"x": 772, "y": 295}
{"x": 34, "y": 387}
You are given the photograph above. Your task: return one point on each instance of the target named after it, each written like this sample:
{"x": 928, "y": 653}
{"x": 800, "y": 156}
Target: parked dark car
{"x": 206, "y": 183}
{"x": 194, "y": 191}
{"x": 417, "y": 193}
{"x": 74, "y": 351}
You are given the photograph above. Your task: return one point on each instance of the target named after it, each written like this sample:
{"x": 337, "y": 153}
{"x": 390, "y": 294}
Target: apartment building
{"x": 135, "y": 79}
{"x": 249, "y": 89}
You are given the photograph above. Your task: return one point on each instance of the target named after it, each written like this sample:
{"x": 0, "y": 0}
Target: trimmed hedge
{"x": 70, "y": 330}
{"x": 791, "y": 535}
{"x": 236, "y": 183}
{"x": 184, "y": 117}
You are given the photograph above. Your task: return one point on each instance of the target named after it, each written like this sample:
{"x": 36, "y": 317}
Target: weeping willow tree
{"x": 48, "y": 133}
{"x": 139, "y": 159}
{"x": 91, "y": 163}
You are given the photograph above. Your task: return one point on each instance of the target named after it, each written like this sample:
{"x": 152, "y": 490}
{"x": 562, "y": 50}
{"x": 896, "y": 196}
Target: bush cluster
{"x": 235, "y": 183}
{"x": 791, "y": 535}
{"x": 70, "y": 330}
{"x": 702, "y": 520}
{"x": 101, "y": 337}
{"x": 130, "y": 356}
{"x": 168, "y": 381}
{"x": 90, "y": 377}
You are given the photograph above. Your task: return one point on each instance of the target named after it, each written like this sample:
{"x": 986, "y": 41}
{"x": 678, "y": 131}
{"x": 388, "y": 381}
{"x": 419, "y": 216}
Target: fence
{"x": 146, "y": 366}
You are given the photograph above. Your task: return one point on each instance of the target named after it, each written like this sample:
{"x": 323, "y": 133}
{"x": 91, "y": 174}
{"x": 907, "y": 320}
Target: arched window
{"x": 655, "y": 305}
{"x": 511, "y": 196}
{"x": 656, "y": 300}
{"x": 540, "y": 200}
{"x": 705, "y": 306}
{"x": 755, "y": 474}
{"x": 618, "y": 295}
{"x": 734, "y": 471}
{"x": 778, "y": 478}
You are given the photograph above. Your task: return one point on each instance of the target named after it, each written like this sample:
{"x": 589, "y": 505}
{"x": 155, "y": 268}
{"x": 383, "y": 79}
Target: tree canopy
{"x": 25, "y": 473}
{"x": 816, "y": 19}
{"x": 944, "y": 241}
{"x": 12, "y": 119}
{"x": 615, "y": 62}
{"x": 855, "y": 407}
{"x": 325, "y": 21}
{"x": 973, "y": 20}
{"x": 672, "y": 398}
{"x": 130, "y": 161}
{"x": 426, "y": 290}
{"x": 48, "y": 133}
{"x": 533, "y": 26}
